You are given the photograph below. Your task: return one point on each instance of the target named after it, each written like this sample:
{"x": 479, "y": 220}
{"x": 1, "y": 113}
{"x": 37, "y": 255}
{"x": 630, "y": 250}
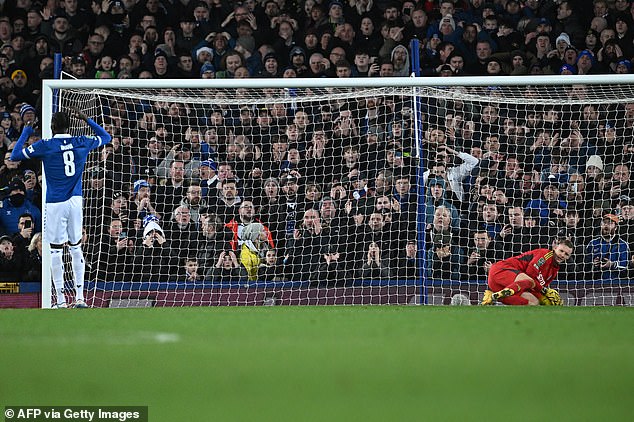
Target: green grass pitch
{"x": 325, "y": 363}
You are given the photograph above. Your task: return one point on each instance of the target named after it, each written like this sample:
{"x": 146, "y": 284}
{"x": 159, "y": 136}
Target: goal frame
{"x": 49, "y": 106}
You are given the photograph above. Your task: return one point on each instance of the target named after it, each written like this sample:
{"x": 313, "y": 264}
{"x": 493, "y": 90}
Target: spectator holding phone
{"x": 16, "y": 205}
{"x": 22, "y": 238}
{"x": 115, "y": 252}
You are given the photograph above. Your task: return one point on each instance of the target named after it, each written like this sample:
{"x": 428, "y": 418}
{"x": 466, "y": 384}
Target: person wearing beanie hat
{"x": 564, "y": 39}
{"x": 570, "y": 57}
{"x": 161, "y": 65}
{"x": 208, "y": 178}
{"x": 298, "y": 61}
{"x": 153, "y": 261}
{"x": 445, "y": 23}
{"x": 204, "y": 54}
{"x": 296, "y": 51}
{"x": 268, "y": 56}
{"x": 624, "y": 66}
{"x": 8, "y": 49}
{"x": 160, "y": 53}
{"x": 271, "y": 66}
{"x": 585, "y": 62}
{"x": 78, "y": 66}
{"x": 594, "y": 166}
{"x": 27, "y": 113}
{"x": 335, "y": 3}
{"x": 207, "y": 71}
{"x": 140, "y": 184}
{"x": 494, "y": 66}
{"x": 151, "y": 224}
{"x": 446, "y": 70}
{"x": 142, "y": 198}
{"x": 20, "y": 80}
{"x": 209, "y": 163}
{"x": 18, "y": 73}
{"x": 204, "y": 49}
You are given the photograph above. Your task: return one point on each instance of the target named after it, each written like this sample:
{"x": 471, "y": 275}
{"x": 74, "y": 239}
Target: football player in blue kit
{"x": 64, "y": 157}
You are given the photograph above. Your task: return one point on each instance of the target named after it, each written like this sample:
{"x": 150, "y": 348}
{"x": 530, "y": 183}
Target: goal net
{"x": 394, "y": 191}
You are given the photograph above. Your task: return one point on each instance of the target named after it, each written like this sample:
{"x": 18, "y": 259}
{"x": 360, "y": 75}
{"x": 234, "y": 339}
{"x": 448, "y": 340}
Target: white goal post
{"x": 350, "y": 191}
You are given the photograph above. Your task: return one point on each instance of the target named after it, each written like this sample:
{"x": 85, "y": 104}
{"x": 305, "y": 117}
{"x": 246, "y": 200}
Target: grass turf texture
{"x": 325, "y": 363}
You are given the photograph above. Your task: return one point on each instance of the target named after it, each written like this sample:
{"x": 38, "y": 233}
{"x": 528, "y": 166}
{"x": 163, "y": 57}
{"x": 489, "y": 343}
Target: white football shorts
{"x": 64, "y": 221}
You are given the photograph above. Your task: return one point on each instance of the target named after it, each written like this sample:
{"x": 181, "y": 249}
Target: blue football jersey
{"x": 64, "y": 158}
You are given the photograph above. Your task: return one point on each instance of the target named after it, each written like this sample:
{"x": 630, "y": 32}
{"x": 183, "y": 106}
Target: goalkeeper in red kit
{"x": 524, "y": 279}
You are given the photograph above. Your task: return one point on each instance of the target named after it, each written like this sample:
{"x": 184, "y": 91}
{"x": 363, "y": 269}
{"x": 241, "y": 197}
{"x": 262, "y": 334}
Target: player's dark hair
{"x": 60, "y": 122}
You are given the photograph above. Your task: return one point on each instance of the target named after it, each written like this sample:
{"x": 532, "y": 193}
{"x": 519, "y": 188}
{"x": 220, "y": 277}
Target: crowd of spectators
{"x": 327, "y": 192}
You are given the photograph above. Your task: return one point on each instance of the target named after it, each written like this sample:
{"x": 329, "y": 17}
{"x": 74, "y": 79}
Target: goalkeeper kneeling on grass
{"x": 524, "y": 279}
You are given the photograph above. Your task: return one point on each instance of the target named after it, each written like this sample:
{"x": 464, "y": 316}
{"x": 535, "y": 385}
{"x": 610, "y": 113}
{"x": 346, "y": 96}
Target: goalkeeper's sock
{"x": 79, "y": 269}
{"x": 57, "y": 271}
{"x": 521, "y": 285}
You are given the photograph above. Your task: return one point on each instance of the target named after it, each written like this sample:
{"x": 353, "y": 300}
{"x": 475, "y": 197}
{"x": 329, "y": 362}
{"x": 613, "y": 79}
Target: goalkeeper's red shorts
{"x": 500, "y": 277}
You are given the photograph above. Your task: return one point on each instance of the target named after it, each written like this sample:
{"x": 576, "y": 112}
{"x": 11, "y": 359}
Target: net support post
{"x": 48, "y": 105}
{"x": 416, "y": 109}
{"x": 414, "y": 47}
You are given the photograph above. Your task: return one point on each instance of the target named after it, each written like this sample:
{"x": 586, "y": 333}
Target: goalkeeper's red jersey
{"x": 537, "y": 264}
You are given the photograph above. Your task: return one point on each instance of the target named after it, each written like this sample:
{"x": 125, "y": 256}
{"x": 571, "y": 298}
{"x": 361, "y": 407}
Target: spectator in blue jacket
{"x": 550, "y": 206}
{"x": 436, "y": 190}
{"x": 607, "y": 255}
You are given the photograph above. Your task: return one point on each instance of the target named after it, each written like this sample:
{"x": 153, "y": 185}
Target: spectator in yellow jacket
{"x": 254, "y": 248}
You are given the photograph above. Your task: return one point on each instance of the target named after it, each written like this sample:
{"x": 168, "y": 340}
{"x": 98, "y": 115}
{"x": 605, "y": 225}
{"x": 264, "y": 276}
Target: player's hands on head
{"x": 76, "y": 112}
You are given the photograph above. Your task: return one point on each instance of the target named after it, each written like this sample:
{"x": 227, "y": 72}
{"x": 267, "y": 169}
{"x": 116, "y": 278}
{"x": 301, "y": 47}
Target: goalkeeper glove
{"x": 550, "y": 297}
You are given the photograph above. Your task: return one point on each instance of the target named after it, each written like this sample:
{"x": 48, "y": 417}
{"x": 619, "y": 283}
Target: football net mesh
{"x": 353, "y": 195}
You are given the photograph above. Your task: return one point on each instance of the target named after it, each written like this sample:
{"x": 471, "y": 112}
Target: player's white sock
{"x": 79, "y": 269}
{"x": 57, "y": 270}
